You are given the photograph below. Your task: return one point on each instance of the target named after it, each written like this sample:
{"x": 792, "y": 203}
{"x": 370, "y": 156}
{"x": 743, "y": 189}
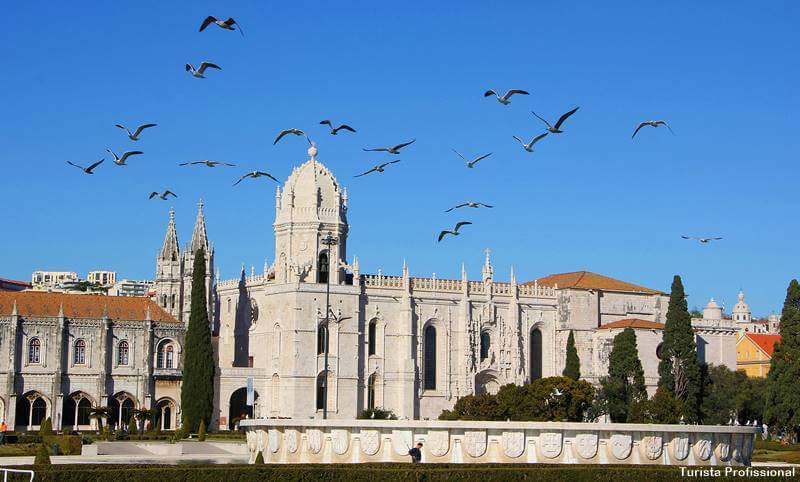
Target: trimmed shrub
{"x": 42, "y": 457}
{"x": 46, "y": 428}
{"x": 67, "y": 444}
{"x": 201, "y": 431}
{"x": 377, "y": 413}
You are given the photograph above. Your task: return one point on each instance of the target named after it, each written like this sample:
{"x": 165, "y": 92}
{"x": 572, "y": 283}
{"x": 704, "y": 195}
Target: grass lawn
{"x": 16, "y": 450}
{"x": 773, "y": 451}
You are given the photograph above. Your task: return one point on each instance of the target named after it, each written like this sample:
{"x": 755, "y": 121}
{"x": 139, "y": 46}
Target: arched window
{"x": 536, "y": 354}
{"x": 123, "y": 350}
{"x": 79, "y": 355}
{"x": 371, "y": 392}
{"x": 485, "y": 342}
{"x": 166, "y": 355}
{"x": 322, "y": 390}
{"x": 371, "y": 338}
{"x": 430, "y": 358}
{"x": 34, "y": 350}
{"x": 323, "y": 267}
{"x": 172, "y": 306}
{"x": 322, "y": 339}
{"x": 229, "y": 305}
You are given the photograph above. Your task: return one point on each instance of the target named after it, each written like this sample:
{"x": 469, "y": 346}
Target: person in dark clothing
{"x": 416, "y": 453}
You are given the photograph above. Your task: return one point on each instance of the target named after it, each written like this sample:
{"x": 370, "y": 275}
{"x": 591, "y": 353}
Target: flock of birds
{"x": 505, "y": 99}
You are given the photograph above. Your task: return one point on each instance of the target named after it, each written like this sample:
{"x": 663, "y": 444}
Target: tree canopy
{"x": 783, "y": 395}
{"x": 624, "y": 384}
{"x": 572, "y": 368}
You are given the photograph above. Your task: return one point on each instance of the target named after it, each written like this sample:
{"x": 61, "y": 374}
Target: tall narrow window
{"x": 169, "y": 360}
{"x": 79, "y": 356}
{"x": 371, "y": 392}
{"x": 165, "y": 354}
{"x": 322, "y": 339}
{"x": 371, "y": 337}
{"x": 322, "y": 268}
{"x": 322, "y": 390}
{"x": 485, "y": 343}
{"x": 122, "y": 353}
{"x": 34, "y": 350}
{"x": 536, "y": 354}
{"x": 430, "y": 358}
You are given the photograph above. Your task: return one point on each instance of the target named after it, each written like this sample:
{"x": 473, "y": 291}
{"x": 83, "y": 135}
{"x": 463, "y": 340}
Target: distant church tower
{"x": 311, "y": 205}
{"x": 199, "y": 240}
{"x": 741, "y": 312}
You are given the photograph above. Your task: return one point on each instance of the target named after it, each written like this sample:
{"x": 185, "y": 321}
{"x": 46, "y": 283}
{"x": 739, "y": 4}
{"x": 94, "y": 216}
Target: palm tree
{"x": 142, "y": 414}
{"x": 99, "y": 413}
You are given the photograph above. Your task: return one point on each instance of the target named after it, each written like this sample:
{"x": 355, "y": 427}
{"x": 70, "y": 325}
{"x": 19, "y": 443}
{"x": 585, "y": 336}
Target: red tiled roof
{"x": 14, "y": 282}
{"x": 765, "y": 342}
{"x": 586, "y": 280}
{"x": 633, "y": 323}
{"x": 46, "y": 304}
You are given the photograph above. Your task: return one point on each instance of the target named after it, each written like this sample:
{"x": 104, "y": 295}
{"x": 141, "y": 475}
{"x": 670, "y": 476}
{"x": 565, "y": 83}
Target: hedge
{"x": 361, "y": 472}
{"x": 67, "y": 444}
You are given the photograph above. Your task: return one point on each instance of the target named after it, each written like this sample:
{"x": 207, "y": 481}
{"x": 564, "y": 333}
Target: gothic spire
{"x": 170, "y": 250}
{"x": 199, "y": 236}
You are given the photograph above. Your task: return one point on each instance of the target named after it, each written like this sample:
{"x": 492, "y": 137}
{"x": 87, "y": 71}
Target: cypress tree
{"x": 783, "y": 398}
{"x": 679, "y": 368}
{"x": 197, "y": 388}
{"x": 624, "y": 384}
{"x": 572, "y": 368}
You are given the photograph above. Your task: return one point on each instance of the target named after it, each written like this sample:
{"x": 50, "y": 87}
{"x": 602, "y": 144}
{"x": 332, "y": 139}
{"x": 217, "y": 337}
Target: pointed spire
{"x": 252, "y": 271}
{"x": 61, "y": 310}
{"x": 266, "y": 266}
{"x": 405, "y": 268}
{"x": 355, "y": 269}
{"x": 147, "y": 315}
{"x": 14, "y": 308}
{"x": 105, "y": 309}
{"x": 170, "y": 250}
{"x": 199, "y": 236}
{"x": 463, "y": 272}
{"x": 488, "y": 271}
{"x": 513, "y": 277}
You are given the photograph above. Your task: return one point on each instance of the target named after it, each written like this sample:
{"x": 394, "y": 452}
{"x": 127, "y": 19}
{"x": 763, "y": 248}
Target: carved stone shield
{"x": 274, "y": 440}
{"x": 291, "y": 440}
{"x": 724, "y": 447}
{"x": 680, "y": 446}
{"x": 401, "y": 441}
{"x": 550, "y": 443}
{"x": 261, "y": 441}
{"x": 653, "y": 446}
{"x": 314, "y": 438}
{"x": 586, "y": 444}
{"x": 737, "y": 447}
{"x": 513, "y": 444}
{"x": 370, "y": 441}
{"x": 621, "y": 445}
{"x": 747, "y": 446}
{"x": 251, "y": 441}
{"x": 475, "y": 443}
{"x": 438, "y": 442}
{"x": 341, "y": 441}
{"x": 702, "y": 447}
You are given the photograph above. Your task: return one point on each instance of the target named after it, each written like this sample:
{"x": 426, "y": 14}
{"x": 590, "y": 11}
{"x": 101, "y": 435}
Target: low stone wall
{"x": 357, "y": 441}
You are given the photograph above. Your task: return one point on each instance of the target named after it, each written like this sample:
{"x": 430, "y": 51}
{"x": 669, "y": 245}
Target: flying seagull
{"x": 504, "y": 99}
{"x": 556, "y": 129}
{"x": 225, "y": 24}
{"x": 470, "y": 204}
{"x": 472, "y": 163}
{"x": 120, "y": 161}
{"x": 335, "y": 130}
{"x": 207, "y": 163}
{"x": 87, "y": 170}
{"x": 296, "y": 132}
{"x": 163, "y": 196}
{"x": 703, "y": 240}
{"x": 652, "y": 123}
{"x": 454, "y": 232}
{"x": 529, "y": 146}
{"x": 135, "y": 135}
{"x": 256, "y": 174}
{"x": 392, "y": 150}
{"x": 378, "y": 168}
{"x": 199, "y": 72}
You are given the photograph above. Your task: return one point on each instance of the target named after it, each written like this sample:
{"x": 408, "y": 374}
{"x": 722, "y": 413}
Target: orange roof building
{"x": 586, "y": 280}
{"x": 754, "y": 353}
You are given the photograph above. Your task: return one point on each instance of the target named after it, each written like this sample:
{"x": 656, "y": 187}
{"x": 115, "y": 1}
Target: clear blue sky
{"x": 724, "y": 74}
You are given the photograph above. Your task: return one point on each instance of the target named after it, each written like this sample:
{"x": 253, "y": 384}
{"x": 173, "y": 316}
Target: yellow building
{"x": 754, "y": 352}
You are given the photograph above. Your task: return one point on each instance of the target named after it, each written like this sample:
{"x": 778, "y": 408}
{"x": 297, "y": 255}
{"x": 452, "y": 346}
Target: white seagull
{"x": 120, "y": 161}
{"x": 392, "y": 150}
{"x": 454, "y": 232}
{"x": 504, "y": 99}
{"x": 556, "y": 129}
{"x": 652, "y": 123}
{"x": 206, "y": 163}
{"x": 335, "y": 130}
{"x": 163, "y": 196}
{"x": 135, "y": 135}
{"x": 702, "y": 239}
{"x": 378, "y": 168}
{"x": 256, "y": 174}
{"x": 203, "y": 66}
{"x": 469, "y": 204}
{"x": 471, "y": 164}
{"x": 296, "y": 132}
{"x": 224, "y": 24}
{"x": 529, "y": 146}
{"x": 87, "y": 170}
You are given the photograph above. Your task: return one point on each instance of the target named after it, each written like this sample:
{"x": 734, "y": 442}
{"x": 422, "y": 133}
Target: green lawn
{"x": 16, "y": 450}
{"x": 774, "y": 451}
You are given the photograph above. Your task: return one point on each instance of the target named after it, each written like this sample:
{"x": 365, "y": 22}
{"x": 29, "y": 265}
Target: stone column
{"x": 60, "y": 341}
{"x": 401, "y": 368}
{"x": 14, "y": 361}
{"x": 102, "y": 377}
{"x": 149, "y": 389}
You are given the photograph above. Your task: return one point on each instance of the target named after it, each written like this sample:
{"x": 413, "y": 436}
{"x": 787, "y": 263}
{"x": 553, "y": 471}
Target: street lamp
{"x": 328, "y": 241}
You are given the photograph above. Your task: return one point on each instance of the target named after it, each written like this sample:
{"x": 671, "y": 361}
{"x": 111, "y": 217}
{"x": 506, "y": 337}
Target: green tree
{"x": 42, "y": 456}
{"x": 99, "y": 413}
{"x": 662, "y": 408}
{"x": 201, "y": 432}
{"x": 475, "y": 407}
{"x": 679, "y": 368}
{"x": 572, "y": 368}
{"x": 197, "y": 388}
{"x": 46, "y": 428}
{"x": 783, "y": 396}
{"x": 132, "y": 428}
{"x": 720, "y": 399}
{"x": 624, "y": 384}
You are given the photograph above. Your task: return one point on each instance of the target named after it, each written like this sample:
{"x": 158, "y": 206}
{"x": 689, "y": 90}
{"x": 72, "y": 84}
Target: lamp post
{"x": 328, "y": 241}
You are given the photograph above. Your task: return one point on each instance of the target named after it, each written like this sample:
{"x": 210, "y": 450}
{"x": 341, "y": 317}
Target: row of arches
{"x": 165, "y": 349}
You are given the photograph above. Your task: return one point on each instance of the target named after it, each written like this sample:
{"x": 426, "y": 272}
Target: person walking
{"x": 416, "y": 453}
{"x": 3, "y": 428}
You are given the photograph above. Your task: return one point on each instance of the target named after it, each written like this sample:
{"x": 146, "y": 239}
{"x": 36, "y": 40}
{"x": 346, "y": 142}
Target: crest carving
{"x": 475, "y": 443}
{"x": 680, "y": 446}
{"x": 513, "y": 444}
{"x": 724, "y": 447}
{"x": 438, "y": 442}
{"x": 401, "y": 441}
{"x": 370, "y": 441}
{"x": 274, "y": 440}
{"x": 737, "y": 448}
{"x": 314, "y": 438}
{"x": 550, "y": 444}
{"x": 653, "y": 446}
{"x": 586, "y": 444}
{"x": 341, "y": 441}
{"x": 291, "y": 440}
{"x": 621, "y": 445}
{"x": 702, "y": 447}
